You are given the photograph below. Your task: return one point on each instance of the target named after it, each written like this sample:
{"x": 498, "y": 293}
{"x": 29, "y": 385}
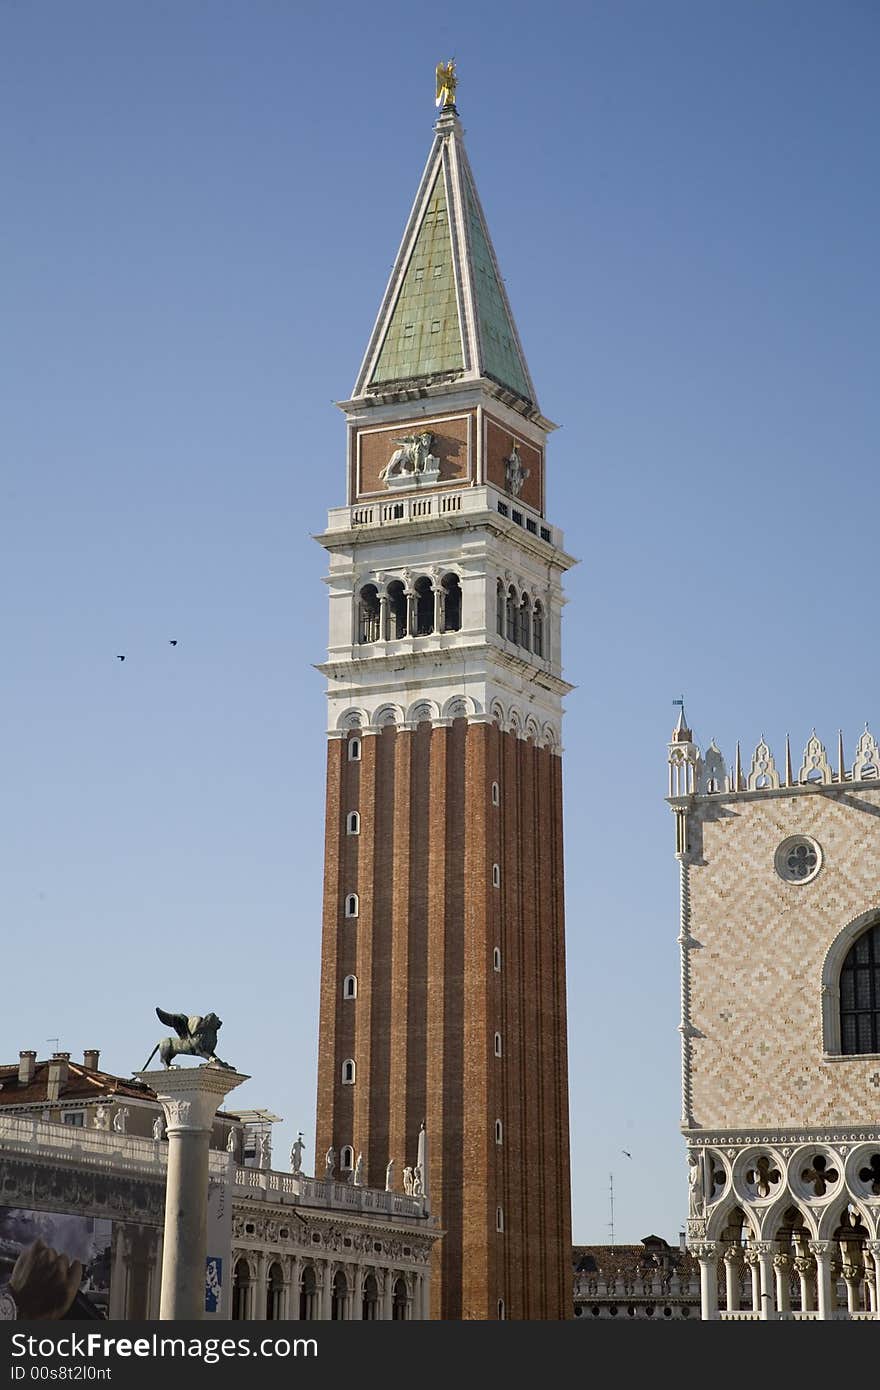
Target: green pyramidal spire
{"x": 445, "y": 316}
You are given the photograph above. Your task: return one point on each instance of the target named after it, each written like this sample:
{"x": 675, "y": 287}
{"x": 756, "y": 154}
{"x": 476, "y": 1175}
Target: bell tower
{"x": 443, "y": 995}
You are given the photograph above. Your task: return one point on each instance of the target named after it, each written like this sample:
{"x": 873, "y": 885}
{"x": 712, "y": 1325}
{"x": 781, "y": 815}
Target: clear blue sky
{"x": 202, "y": 202}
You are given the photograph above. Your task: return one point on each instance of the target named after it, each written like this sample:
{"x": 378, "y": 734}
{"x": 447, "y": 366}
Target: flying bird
{"x": 172, "y": 641}
{"x": 119, "y": 658}
{"x": 624, "y": 1152}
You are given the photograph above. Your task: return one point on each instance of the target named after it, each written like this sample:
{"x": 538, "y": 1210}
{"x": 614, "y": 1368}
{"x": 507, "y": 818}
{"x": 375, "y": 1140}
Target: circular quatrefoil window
{"x": 798, "y": 859}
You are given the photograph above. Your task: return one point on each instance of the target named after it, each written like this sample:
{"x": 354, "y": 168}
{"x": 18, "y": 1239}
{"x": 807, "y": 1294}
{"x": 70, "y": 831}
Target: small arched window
{"x": 496, "y": 958}
{"x": 501, "y": 1313}
{"x": 512, "y": 613}
{"x": 860, "y": 995}
{"x": 499, "y": 1132}
{"x": 496, "y": 876}
{"x": 497, "y": 1044}
{"x": 354, "y": 750}
{"x": 351, "y": 905}
{"x": 397, "y": 610}
{"x": 524, "y": 634}
{"x": 538, "y": 629}
{"x": 353, "y": 823}
{"x": 499, "y": 608}
{"x": 499, "y": 1218}
{"x": 368, "y": 614}
{"x": 496, "y": 794}
{"x": 348, "y": 1071}
{"x": 424, "y": 606}
{"x": 346, "y": 1158}
{"x": 451, "y": 603}
{"x": 350, "y": 987}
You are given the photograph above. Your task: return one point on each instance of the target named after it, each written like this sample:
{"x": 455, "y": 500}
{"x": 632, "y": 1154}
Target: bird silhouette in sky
{"x": 172, "y": 641}
{"x": 624, "y": 1152}
{"x": 119, "y": 658}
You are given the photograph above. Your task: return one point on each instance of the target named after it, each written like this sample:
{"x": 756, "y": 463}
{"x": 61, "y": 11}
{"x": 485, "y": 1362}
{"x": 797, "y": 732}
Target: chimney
{"x": 682, "y": 1242}
{"x": 90, "y": 1058}
{"x": 27, "y": 1065}
{"x": 58, "y": 1069}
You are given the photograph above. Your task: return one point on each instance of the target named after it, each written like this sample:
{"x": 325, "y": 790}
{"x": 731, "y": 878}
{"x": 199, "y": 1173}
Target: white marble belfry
{"x": 190, "y": 1097}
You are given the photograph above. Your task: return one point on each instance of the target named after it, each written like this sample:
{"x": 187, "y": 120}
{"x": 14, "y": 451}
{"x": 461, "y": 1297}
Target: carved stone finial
{"x": 815, "y": 767}
{"x": 763, "y": 771}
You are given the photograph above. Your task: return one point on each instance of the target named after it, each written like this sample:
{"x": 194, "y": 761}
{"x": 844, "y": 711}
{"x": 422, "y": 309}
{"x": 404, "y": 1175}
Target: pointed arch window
{"x": 860, "y": 995}
{"x": 368, "y": 614}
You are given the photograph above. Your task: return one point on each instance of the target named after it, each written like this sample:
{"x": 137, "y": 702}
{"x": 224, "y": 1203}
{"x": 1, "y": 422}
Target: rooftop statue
{"x": 446, "y": 83}
{"x": 196, "y": 1037}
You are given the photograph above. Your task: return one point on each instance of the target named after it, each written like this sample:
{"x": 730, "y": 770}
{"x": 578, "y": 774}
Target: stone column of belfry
{"x": 190, "y": 1097}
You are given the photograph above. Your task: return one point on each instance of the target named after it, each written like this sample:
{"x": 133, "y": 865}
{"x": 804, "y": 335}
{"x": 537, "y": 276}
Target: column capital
{"x": 191, "y": 1096}
{"x": 705, "y": 1250}
{"x": 733, "y": 1254}
{"x": 822, "y": 1248}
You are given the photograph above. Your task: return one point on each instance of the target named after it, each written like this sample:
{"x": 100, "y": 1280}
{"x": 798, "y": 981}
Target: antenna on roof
{"x": 611, "y": 1194}
{"x": 56, "y": 1041}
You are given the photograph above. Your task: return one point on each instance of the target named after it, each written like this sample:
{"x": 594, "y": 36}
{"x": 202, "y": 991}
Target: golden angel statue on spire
{"x": 446, "y": 83}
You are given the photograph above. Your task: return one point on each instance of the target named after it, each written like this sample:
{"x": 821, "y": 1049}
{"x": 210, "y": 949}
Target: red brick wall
{"x": 429, "y": 1001}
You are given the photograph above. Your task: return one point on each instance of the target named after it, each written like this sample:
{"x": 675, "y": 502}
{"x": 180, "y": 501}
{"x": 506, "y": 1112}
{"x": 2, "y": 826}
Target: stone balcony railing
{"x": 265, "y": 1185}
{"x": 30, "y": 1136}
{"x": 388, "y": 510}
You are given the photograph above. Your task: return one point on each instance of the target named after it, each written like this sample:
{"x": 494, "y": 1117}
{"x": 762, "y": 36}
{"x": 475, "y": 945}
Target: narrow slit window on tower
{"x": 424, "y": 607}
{"x": 499, "y": 1132}
{"x": 346, "y": 1158}
{"x": 496, "y": 876}
{"x": 496, "y": 958}
{"x": 397, "y": 606}
{"x": 538, "y": 630}
{"x": 499, "y": 1218}
{"x": 348, "y": 1071}
{"x": 496, "y": 794}
{"x": 351, "y": 905}
{"x": 368, "y": 614}
{"x": 497, "y": 1044}
{"x": 354, "y": 750}
{"x": 524, "y": 637}
{"x": 512, "y": 611}
{"x": 353, "y": 823}
{"x": 350, "y": 987}
{"x": 451, "y": 603}
{"x": 502, "y": 1316}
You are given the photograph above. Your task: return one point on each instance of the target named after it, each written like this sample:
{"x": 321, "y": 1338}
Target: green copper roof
{"x": 445, "y": 315}
{"x": 501, "y": 358}
{"x": 424, "y": 337}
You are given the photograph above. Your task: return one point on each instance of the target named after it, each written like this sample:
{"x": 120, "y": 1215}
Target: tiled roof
{"x": 631, "y": 1259}
{"x": 82, "y": 1084}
